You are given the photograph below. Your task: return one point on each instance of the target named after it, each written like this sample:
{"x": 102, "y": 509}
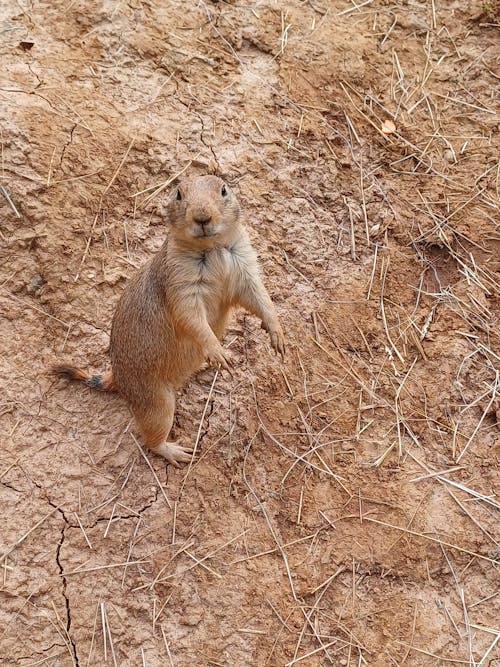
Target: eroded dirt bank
{"x": 309, "y": 530}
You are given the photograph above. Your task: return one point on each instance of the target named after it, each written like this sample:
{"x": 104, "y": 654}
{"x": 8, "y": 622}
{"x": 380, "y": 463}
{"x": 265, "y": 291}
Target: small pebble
{"x": 36, "y": 284}
{"x": 449, "y": 155}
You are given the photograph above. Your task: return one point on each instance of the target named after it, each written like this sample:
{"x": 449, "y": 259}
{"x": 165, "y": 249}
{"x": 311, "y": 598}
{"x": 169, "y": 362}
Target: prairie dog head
{"x": 203, "y": 211}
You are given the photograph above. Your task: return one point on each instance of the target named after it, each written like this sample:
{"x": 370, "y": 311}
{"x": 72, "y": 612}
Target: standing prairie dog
{"x": 173, "y": 313}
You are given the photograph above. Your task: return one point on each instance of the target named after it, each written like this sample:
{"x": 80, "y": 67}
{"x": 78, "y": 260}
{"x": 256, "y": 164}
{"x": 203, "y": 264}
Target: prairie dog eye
{"x": 223, "y": 191}
{"x": 178, "y": 196}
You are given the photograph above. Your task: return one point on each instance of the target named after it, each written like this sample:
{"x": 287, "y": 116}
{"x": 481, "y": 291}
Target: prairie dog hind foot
{"x": 174, "y": 453}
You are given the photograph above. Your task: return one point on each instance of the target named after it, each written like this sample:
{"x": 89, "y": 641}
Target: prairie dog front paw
{"x": 277, "y": 336}
{"x": 219, "y": 355}
{"x": 278, "y": 340}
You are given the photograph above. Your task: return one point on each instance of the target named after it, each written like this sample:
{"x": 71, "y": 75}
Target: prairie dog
{"x": 173, "y": 313}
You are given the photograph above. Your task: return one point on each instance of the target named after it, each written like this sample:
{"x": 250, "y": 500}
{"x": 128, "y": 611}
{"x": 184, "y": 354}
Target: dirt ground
{"x": 342, "y": 507}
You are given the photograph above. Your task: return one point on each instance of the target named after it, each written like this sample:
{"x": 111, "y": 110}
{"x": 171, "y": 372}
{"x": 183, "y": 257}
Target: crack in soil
{"x": 207, "y": 145}
{"x": 35, "y": 75}
{"x": 68, "y": 143}
{"x": 64, "y": 587}
{"x": 139, "y": 512}
{"x": 12, "y": 488}
{"x": 60, "y": 567}
{"x": 42, "y": 651}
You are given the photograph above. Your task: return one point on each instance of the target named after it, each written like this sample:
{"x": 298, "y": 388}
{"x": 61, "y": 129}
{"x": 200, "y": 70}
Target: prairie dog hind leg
{"x": 154, "y": 418}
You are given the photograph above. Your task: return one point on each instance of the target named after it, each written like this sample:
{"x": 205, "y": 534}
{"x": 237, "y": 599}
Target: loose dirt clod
{"x": 343, "y": 508}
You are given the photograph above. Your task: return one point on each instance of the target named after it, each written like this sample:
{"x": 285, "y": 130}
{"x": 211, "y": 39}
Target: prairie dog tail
{"x": 102, "y": 382}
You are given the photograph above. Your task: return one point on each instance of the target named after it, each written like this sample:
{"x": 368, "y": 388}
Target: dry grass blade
{"x": 473, "y": 519}
{"x": 98, "y": 607}
{"x": 104, "y": 567}
{"x": 198, "y": 561}
{"x": 485, "y": 412}
{"x": 9, "y": 201}
{"x": 385, "y": 265}
{"x": 287, "y": 450}
{"x": 313, "y": 652}
{"x": 99, "y": 205}
{"x": 26, "y": 304}
{"x": 403, "y": 659}
{"x": 165, "y": 184}
{"x": 434, "y": 655}
{"x": 148, "y": 462}
{"x": 13, "y": 546}
{"x": 198, "y": 434}
{"x": 130, "y": 548}
{"x": 62, "y": 629}
{"x": 355, "y": 8}
{"x": 398, "y": 407}
{"x": 83, "y": 530}
{"x": 266, "y": 516}
{"x": 437, "y": 473}
{"x": 490, "y": 649}
{"x": 45, "y": 659}
{"x": 376, "y": 126}
{"x": 495, "y": 561}
{"x": 156, "y": 615}
{"x": 471, "y": 492}
{"x": 170, "y": 659}
{"x": 107, "y": 636}
{"x": 308, "y": 616}
{"x": 372, "y": 275}
{"x": 284, "y": 626}
{"x": 366, "y": 387}
{"x": 202, "y": 564}
{"x": 242, "y": 559}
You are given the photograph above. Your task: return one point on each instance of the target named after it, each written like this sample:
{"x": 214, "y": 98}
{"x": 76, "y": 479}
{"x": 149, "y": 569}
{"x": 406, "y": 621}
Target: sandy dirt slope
{"x": 342, "y": 509}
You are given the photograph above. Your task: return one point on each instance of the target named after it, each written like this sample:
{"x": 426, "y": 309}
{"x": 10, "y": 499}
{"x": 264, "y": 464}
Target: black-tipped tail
{"x": 101, "y": 382}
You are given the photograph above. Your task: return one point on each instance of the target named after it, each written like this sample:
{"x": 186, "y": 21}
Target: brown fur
{"x": 173, "y": 313}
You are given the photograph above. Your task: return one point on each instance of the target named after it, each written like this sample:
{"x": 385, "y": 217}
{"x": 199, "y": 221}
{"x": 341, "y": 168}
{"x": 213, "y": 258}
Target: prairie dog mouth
{"x": 205, "y": 233}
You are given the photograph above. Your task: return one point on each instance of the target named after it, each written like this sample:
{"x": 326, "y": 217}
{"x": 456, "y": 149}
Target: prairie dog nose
{"x": 202, "y": 218}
